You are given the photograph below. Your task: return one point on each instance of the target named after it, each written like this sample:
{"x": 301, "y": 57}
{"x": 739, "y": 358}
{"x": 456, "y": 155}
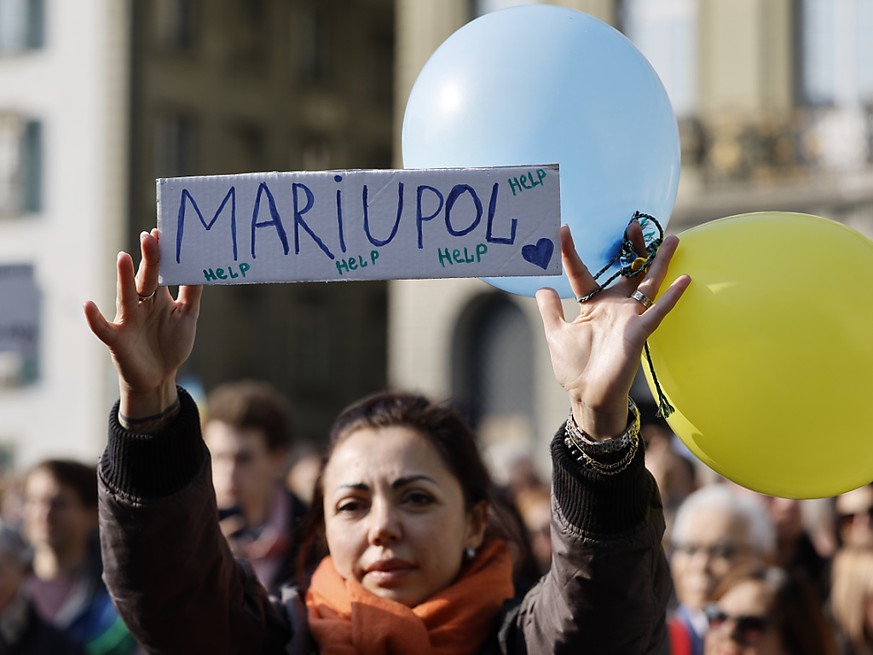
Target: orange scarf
{"x": 346, "y": 619}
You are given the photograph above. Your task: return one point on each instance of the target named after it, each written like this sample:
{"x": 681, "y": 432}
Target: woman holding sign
{"x": 413, "y": 566}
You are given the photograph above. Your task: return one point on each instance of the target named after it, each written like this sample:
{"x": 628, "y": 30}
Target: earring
{"x": 470, "y": 552}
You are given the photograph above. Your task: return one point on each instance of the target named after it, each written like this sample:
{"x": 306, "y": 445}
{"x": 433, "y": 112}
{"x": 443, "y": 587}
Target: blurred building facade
{"x": 235, "y": 86}
{"x": 63, "y": 187}
{"x": 100, "y": 97}
{"x": 774, "y": 100}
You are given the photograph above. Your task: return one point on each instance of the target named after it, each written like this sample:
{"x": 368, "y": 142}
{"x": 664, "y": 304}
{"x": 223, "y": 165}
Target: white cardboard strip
{"x": 359, "y": 225}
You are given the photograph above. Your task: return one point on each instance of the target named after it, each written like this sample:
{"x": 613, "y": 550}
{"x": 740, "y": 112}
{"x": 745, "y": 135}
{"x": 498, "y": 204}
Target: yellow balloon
{"x": 768, "y": 357}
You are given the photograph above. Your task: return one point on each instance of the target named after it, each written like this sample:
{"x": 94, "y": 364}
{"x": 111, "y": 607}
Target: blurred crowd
{"x": 751, "y": 573}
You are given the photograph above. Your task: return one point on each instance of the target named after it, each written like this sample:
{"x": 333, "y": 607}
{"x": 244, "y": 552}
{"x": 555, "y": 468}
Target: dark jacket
{"x": 286, "y": 560}
{"x": 177, "y": 586}
{"x": 31, "y": 635}
{"x": 87, "y": 613}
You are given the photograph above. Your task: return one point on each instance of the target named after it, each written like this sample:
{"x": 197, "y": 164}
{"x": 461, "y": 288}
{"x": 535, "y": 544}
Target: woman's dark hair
{"x": 440, "y": 424}
{"x": 795, "y": 609}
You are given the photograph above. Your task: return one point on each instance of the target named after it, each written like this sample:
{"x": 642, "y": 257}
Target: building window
{"x": 665, "y": 31}
{"x": 835, "y": 82}
{"x": 315, "y": 155}
{"x": 21, "y": 25}
{"x": 246, "y": 45}
{"x": 174, "y": 24}
{"x": 492, "y": 364}
{"x": 175, "y": 146}
{"x": 20, "y": 165}
{"x": 19, "y": 325}
{"x": 312, "y": 329}
{"x": 247, "y": 145}
{"x": 836, "y": 52}
{"x": 482, "y": 7}
{"x": 312, "y": 43}
{"x": 382, "y": 68}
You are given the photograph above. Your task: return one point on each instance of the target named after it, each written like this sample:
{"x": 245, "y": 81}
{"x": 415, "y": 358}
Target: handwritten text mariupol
{"x": 359, "y": 225}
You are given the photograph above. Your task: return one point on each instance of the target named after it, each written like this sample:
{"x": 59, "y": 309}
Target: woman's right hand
{"x": 152, "y": 334}
{"x": 596, "y": 355}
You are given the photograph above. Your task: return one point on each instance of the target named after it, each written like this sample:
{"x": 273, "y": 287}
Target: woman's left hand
{"x": 596, "y": 355}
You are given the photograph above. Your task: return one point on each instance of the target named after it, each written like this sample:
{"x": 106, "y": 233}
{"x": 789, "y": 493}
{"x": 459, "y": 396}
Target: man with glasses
{"x": 716, "y": 530}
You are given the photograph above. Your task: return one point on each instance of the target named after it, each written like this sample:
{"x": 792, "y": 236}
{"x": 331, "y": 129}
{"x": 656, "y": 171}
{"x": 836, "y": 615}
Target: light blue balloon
{"x": 541, "y": 84}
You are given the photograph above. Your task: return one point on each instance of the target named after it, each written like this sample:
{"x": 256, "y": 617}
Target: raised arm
{"x": 166, "y": 564}
{"x": 151, "y": 337}
{"x": 608, "y": 586}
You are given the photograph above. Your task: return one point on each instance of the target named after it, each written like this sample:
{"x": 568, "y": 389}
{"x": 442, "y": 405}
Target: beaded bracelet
{"x": 588, "y": 445}
{"x": 588, "y": 452}
{"x": 604, "y": 469}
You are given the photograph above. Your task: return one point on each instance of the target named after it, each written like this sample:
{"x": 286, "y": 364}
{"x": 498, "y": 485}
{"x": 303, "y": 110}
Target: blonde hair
{"x": 851, "y": 588}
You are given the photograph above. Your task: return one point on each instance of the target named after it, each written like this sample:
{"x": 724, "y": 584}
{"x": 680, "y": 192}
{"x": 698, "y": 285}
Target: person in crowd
{"x": 303, "y": 472}
{"x": 534, "y": 506}
{"x": 851, "y": 599}
{"x": 521, "y": 476}
{"x": 854, "y": 516}
{"x": 795, "y": 548}
{"x": 674, "y": 472}
{"x": 819, "y": 521}
{"x": 716, "y": 530}
{"x": 22, "y": 630}
{"x": 60, "y": 522}
{"x": 411, "y": 564}
{"x": 11, "y": 496}
{"x": 766, "y": 610}
{"x": 246, "y": 427}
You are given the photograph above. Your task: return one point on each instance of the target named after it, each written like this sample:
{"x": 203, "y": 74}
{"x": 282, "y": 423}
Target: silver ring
{"x": 642, "y": 298}
{"x": 148, "y": 297}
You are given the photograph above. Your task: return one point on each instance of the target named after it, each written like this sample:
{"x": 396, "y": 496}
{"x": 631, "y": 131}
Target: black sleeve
{"x": 608, "y": 586}
{"x": 154, "y": 466}
{"x": 166, "y": 564}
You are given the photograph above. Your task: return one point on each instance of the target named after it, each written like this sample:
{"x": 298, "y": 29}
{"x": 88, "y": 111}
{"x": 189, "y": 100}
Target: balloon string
{"x": 631, "y": 266}
{"x": 627, "y": 257}
{"x": 665, "y": 409}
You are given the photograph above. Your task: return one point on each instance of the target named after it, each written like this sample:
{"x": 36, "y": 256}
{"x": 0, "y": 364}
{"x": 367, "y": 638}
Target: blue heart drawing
{"x": 540, "y": 254}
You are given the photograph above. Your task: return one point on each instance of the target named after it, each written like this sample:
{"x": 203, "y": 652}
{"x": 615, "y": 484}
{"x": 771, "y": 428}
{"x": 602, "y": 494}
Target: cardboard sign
{"x": 359, "y": 225}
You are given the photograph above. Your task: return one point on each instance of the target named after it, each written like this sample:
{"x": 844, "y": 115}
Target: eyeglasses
{"x": 721, "y": 550}
{"x": 748, "y": 629}
{"x": 846, "y": 519}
